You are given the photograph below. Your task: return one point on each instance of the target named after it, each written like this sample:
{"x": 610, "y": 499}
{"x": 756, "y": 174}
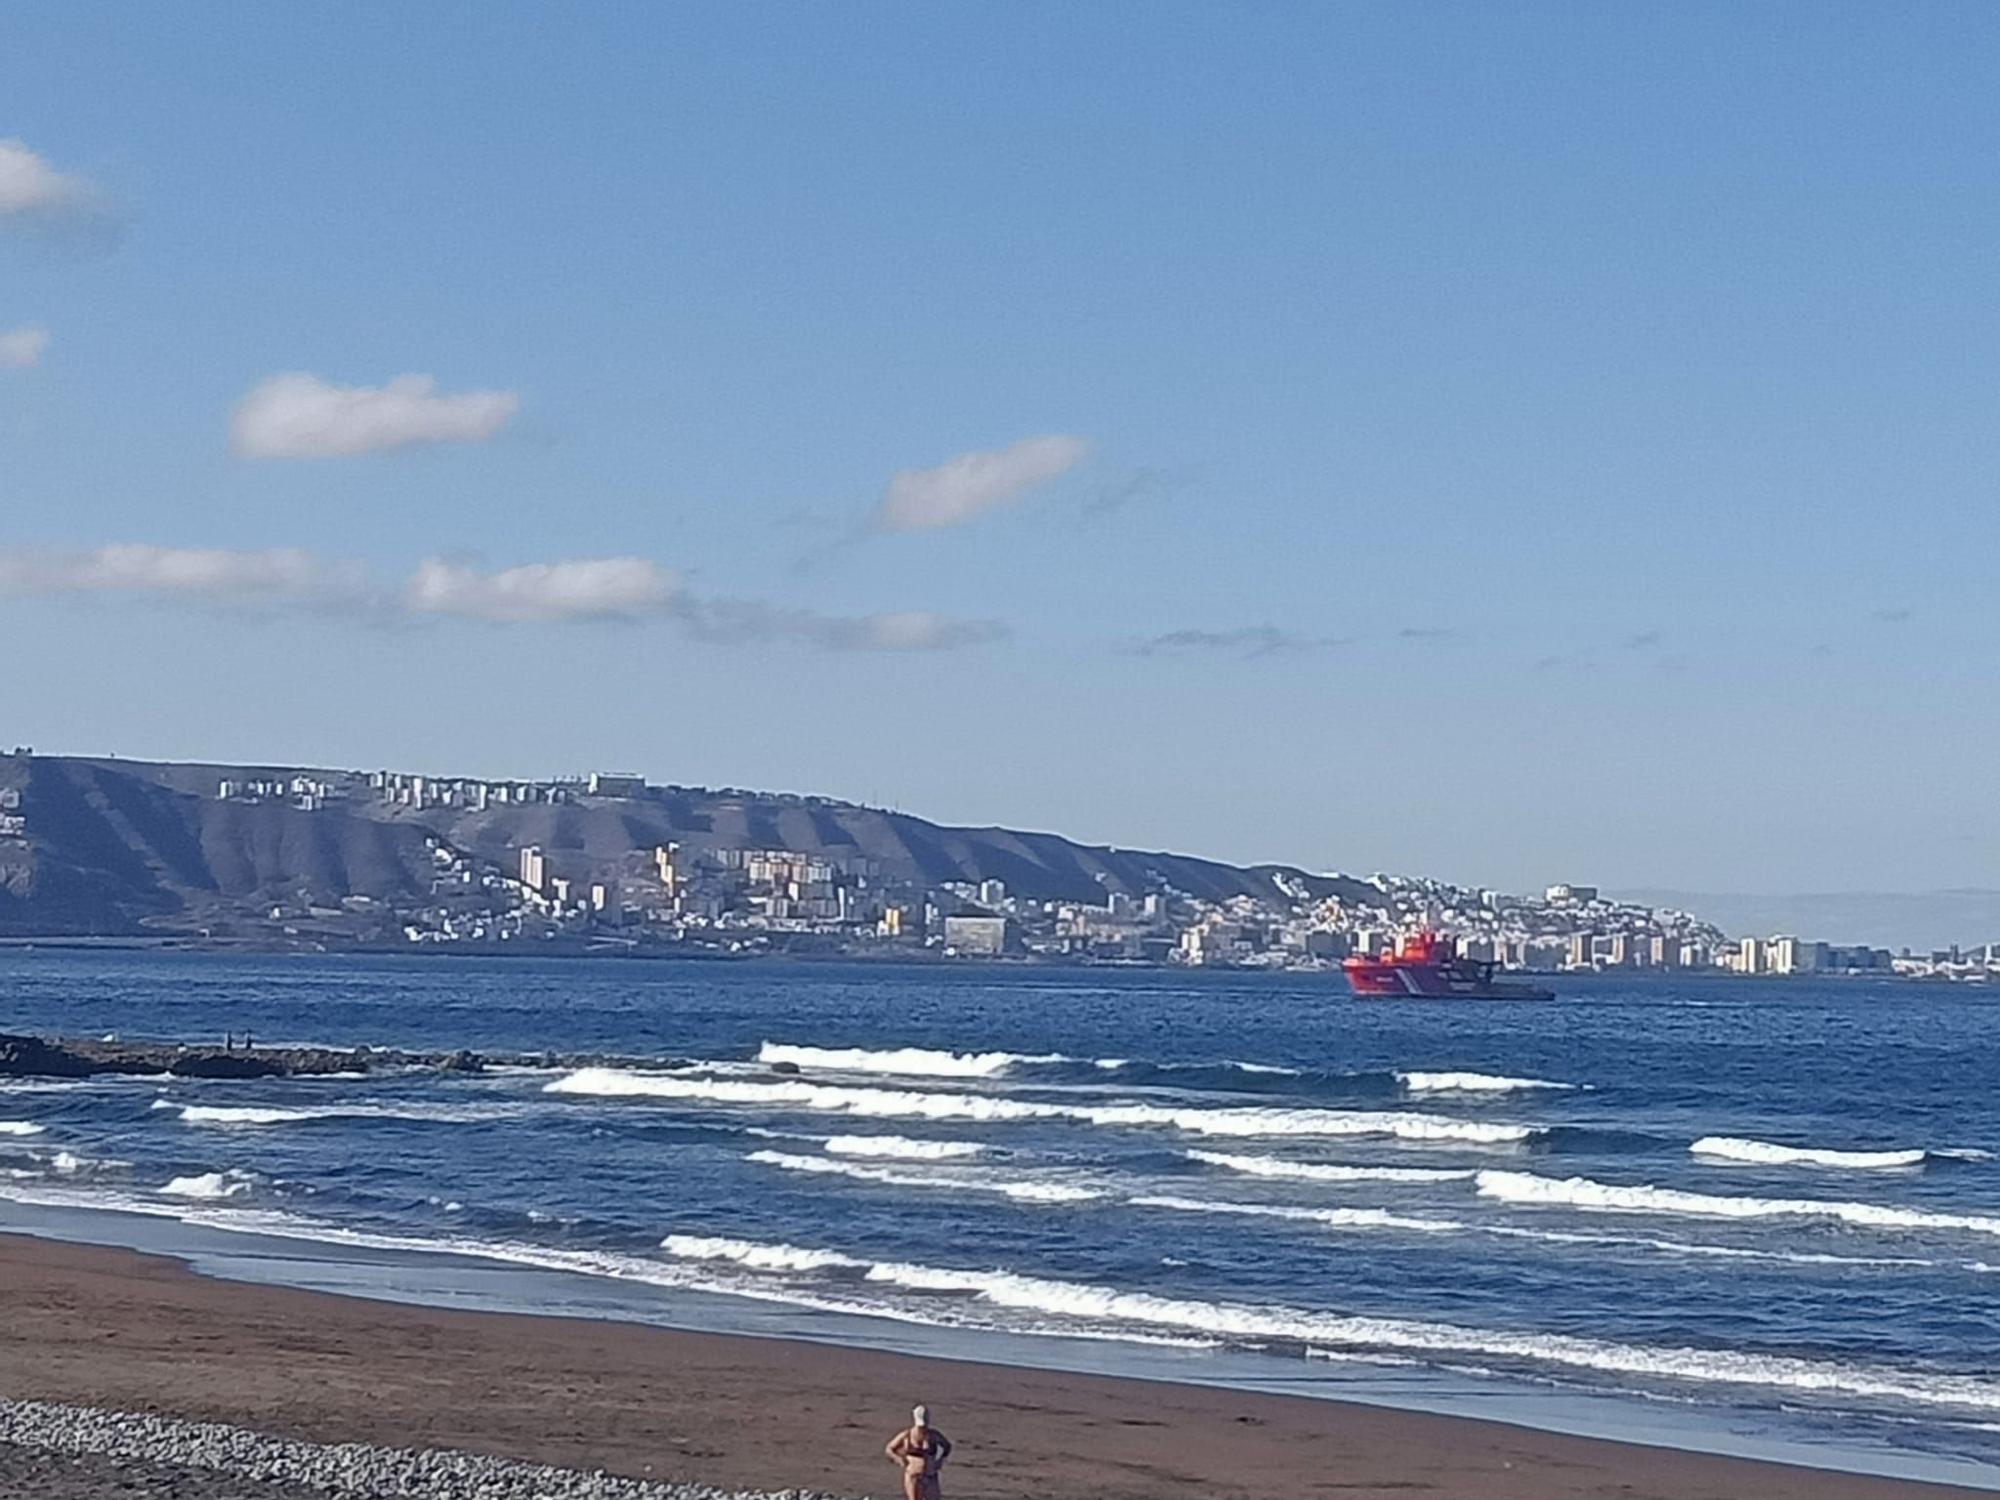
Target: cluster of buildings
{"x": 307, "y": 793}
{"x": 1791, "y": 955}
{"x": 760, "y": 898}
{"x": 466, "y": 794}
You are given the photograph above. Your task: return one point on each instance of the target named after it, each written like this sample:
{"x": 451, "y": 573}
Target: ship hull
{"x": 1423, "y": 968}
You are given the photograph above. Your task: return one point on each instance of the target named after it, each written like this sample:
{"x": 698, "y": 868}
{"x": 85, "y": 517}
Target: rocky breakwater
{"x": 40, "y": 1057}
{"x": 164, "y": 1456}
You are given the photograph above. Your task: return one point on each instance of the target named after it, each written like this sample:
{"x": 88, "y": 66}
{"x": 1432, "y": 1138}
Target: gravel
{"x": 85, "y": 1451}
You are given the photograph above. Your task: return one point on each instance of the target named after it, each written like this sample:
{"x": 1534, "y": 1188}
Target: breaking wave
{"x": 901, "y": 1147}
{"x": 213, "y": 1185}
{"x": 1769, "y": 1154}
{"x": 1331, "y": 1218}
{"x": 1087, "y": 1303}
{"x": 1474, "y": 1083}
{"x": 1027, "y": 1192}
{"x": 1582, "y": 1192}
{"x": 892, "y": 1103}
{"x": 917, "y": 1062}
{"x": 1313, "y": 1171}
{"x": 757, "y": 1257}
{"x": 20, "y": 1127}
{"x": 244, "y": 1114}
{"x": 225, "y": 1114}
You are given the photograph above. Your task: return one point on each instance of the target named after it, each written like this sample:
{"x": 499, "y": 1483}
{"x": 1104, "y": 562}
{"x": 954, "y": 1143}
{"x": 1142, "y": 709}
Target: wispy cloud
{"x": 22, "y": 347}
{"x": 1644, "y": 640}
{"x": 282, "y": 576}
{"x": 1140, "y": 487}
{"x": 574, "y": 590}
{"x": 1891, "y": 616}
{"x": 966, "y": 487}
{"x": 298, "y": 415}
{"x": 598, "y": 588}
{"x": 1245, "y": 642}
{"x": 1426, "y": 633}
{"x": 737, "y": 621}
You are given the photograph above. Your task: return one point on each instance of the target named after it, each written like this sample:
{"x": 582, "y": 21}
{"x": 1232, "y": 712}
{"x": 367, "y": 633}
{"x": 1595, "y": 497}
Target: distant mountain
{"x": 1884, "y": 919}
{"x": 117, "y": 847}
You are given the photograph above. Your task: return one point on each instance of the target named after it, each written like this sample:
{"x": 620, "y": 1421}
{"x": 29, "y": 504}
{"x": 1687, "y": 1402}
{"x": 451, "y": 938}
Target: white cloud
{"x": 31, "y": 189}
{"x": 298, "y": 415}
{"x": 213, "y": 575}
{"x": 21, "y": 347}
{"x": 962, "y": 488}
{"x": 584, "y": 589}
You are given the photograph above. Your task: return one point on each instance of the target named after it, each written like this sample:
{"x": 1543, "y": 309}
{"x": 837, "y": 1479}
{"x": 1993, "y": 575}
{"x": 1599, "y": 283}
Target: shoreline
{"x": 115, "y": 1328}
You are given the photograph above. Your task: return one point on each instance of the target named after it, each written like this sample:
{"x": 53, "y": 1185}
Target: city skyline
{"x": 1511, "y": 473}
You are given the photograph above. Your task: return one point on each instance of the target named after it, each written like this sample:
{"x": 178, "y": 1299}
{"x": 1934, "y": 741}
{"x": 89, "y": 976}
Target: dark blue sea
{"x": 1757, "y": 1199}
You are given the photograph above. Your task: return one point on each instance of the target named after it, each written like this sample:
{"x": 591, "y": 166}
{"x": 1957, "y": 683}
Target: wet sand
{"x": 113, "y": 1328}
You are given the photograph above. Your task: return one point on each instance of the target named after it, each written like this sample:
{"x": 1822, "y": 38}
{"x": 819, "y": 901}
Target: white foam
{"x": 230, "y": 1184}
{"x": 920, "y": 1062}
{"x": 20, "y": 1127}
{"x": 1111, "y": 1064}
{"x": 1543, "y": 1236}
{"x": 1474, "y": 1083}
{"x": 1582, "y": 1192}
{"x": 234, "y": 1114}
{"x": 1027, "y": 1192}
{"x": 892, "y": 1103}
{"x": 901, "y": 1147}
{"x": 223, "y": 1114}
{"x": 1331, "y": 1218}
{"x": 1403, "y": 1125}
{"x": 68, "y": 1162}
{"x": 758, "y": 1257}
{"x": 1312, "y": 1171}
{"x": 1769, "y": 1154}
{"x": 1086, "y": 1302}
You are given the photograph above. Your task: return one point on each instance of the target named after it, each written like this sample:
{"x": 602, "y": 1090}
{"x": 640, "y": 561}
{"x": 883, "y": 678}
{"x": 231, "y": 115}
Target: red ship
{"x": 1425, "y": 968}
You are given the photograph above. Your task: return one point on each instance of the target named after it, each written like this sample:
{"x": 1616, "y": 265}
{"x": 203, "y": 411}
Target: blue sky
{"x": 1508, "y": 443}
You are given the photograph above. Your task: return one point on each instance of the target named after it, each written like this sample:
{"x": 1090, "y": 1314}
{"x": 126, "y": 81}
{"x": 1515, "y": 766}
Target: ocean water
{"x": 1779, "y": 1200}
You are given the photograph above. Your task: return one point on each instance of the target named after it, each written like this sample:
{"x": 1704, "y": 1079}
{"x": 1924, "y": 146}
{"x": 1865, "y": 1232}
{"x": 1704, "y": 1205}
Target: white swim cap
{"x": 921, "y": 1415}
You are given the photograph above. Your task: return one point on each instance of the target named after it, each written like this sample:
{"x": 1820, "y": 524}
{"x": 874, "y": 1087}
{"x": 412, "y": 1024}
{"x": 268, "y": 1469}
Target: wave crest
{"x": 918, "y": 1062}
{"x": 229, "y": 1114}
{"x": 901, "y": 1147}
{"x": 891, "y": 1103}
{"x": 1088, "y": 1303}
{"x": 1475, "y": 1083}
{"x": 210, "y": 1185}
{"x": 1027, "y": 1192}
{"x": 1770, "y": 1154}
{"x": 1582, "y": 1192}
{"x": 1313, "y": 1171}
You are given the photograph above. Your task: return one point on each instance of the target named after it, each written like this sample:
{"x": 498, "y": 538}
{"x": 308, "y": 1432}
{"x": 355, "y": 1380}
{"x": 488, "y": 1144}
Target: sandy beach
{"x": 115, "y": 1329}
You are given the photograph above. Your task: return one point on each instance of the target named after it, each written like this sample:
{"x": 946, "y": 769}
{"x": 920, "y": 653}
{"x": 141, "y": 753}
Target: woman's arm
{"x": 943, "y": 1445}
{"x": 898, "y": 1447}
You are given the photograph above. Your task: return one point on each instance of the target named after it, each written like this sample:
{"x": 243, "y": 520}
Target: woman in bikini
{"x": 920, "y": 1451}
